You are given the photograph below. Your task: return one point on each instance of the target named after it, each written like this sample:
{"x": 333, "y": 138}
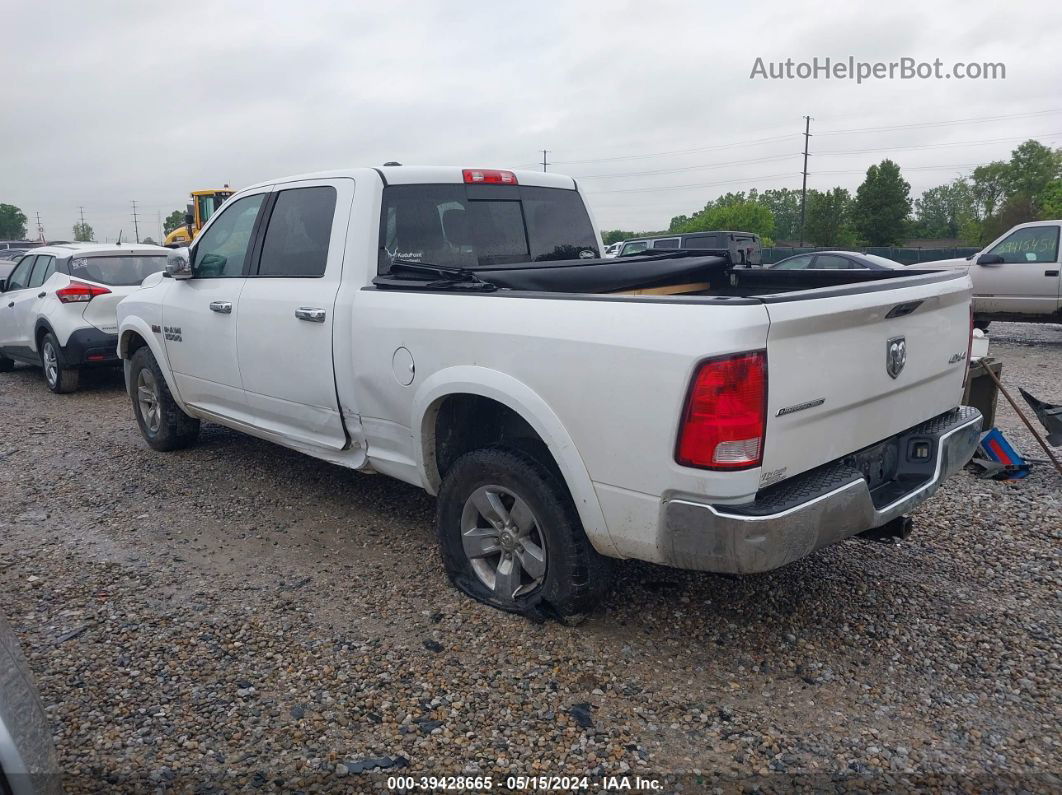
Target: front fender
{"x": 135, "y": 325}
{"x": 482, "y": 381}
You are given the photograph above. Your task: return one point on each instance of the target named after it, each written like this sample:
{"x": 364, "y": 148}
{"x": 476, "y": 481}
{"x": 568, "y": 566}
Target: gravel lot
{"x": 241, "y": 616}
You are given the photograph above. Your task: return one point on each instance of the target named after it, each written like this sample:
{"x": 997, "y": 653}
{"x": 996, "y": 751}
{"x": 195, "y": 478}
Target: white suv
{"x": 59, "y": 304}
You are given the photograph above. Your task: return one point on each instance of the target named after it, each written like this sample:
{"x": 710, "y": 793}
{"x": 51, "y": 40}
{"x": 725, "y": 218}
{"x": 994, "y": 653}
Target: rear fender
{"x": 519, "y": 397}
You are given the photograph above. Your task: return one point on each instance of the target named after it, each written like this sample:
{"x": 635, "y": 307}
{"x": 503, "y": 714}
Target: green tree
{"x": 610, "y": 236}
{"x": 989, "y": 187}
{"x": 743, "y": 216}
{"x": 83, "y": 232}
{"x": 12, "y": 222}
{"x": 882, "y": 205}
{"x": 173, "y": 220}
{"x": 942, "y": 211}
{"x": 829, "y": 218}
{"x": 1051, "y": 201}
{"x": 784, "y": 205}
{"x": 1032, "y": 168}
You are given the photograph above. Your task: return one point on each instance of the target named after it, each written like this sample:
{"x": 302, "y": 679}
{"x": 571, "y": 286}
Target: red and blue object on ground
{"x": 995, "y": 447}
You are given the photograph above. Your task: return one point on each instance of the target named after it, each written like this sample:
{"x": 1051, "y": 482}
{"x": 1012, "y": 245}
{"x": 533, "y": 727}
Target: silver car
{"x": 27, "y": 757}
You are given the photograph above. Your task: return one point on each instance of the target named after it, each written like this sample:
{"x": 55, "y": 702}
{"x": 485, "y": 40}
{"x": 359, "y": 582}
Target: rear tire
{"x": 60, "y": 378}
{"x": 510, "y": 537}
{"x": 162, "y": 423}
{"x": 982, "y": 324}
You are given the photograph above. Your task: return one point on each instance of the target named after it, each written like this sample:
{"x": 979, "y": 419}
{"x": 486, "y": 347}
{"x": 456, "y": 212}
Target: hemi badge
{"x": 156, "y": 329}
{"x": 800, "y": 407}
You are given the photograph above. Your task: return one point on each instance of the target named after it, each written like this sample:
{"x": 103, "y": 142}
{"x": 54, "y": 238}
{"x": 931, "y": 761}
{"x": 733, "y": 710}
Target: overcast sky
{"x": 105, "y": 102}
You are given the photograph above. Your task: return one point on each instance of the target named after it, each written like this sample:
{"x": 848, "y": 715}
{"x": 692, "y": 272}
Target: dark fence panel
{"x": 908, "y": 256}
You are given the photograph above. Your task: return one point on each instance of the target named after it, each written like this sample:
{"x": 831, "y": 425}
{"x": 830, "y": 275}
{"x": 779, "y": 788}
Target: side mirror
{"x": 189, "y": 219}
{"x": 990, "y": 259}
{"x": 3, "y": 285}
{"x": 179, "y": 264}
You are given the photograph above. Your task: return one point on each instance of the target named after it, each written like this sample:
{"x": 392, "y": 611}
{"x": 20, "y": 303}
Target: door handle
{"x": 1051, "y": 273}
{"x": 41, "y": 295}
{"x": 224, "y": 307}
{"x": 11, "y": 304}
{"x": 311, "y": 314}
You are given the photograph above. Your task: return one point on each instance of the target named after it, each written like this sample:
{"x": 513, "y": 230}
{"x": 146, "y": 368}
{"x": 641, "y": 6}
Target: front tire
{"x": 510, "y": 536}
{"x": 60, "y": 378}
{"x": 162, "y": 423}
{"x": 6, "y": 365}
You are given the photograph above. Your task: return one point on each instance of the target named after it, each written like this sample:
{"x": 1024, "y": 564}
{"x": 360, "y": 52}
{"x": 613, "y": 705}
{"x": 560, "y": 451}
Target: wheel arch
{"x": 528, "y": 407}
{"x": 135, "y": 334}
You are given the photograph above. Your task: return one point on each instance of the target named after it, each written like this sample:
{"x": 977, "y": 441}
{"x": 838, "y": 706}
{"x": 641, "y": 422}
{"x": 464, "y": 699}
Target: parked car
{"x": 440, "y": 325}
{"x": 58, "y": 307}
{"x": 1016, "y": 277}
{"x": 744, "y": 247}
{"x": 835, "y": 260}
{"x": 613, "y": 250}
{"x": 27, "y": 758}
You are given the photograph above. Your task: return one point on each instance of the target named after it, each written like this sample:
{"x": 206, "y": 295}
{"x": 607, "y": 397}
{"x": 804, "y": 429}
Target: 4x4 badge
{"x": 895, "y": 356}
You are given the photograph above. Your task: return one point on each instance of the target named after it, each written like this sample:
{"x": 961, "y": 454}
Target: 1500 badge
{"x": 957, "y": 357}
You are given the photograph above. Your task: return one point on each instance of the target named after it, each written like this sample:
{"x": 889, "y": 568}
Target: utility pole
{"x": 136, "y": 227}
{"x": 162, "y": 237}
{"x": 544, "y": 163}
{"x": 40, "y": 229}
{"x": 804, "y": 187}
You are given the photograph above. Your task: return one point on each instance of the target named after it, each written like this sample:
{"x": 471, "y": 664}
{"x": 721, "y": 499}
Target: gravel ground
{"x": 240, "y": 616}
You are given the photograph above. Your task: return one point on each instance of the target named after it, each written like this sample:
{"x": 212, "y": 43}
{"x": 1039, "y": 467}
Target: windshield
{"x": 117, "y": 271}
{"x": 477, "y": 226}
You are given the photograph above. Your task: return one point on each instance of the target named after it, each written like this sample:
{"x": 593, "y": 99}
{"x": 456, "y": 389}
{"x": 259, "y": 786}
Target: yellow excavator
{"x": 203, "y": 205}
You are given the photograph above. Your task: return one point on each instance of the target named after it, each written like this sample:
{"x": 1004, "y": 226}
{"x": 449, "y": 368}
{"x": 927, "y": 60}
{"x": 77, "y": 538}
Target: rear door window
{"x": 120, "y": 270}
{"x": 833, "y": 262}
{"x": 797, "y": 263}
{"x": 38, "y": 276}
{"x": 300, "y": 225}
{"x": 479, "y": 226}
{"x": 701, "y": 241}
{"x": 670, "y": 242}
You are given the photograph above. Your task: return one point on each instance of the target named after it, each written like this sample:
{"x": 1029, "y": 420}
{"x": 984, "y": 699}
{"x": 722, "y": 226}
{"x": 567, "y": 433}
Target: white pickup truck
{"x": 458, "y": 330}
{"x": 1017, "y": 277}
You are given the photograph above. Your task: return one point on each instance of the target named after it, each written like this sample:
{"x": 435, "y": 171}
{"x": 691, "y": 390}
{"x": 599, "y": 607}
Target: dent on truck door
{"x": 287, "y": 312}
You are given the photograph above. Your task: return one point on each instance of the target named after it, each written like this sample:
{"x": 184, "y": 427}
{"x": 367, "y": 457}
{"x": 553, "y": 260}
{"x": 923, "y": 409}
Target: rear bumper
{"x": 792, "y": 519}
{"x": 88, "y": 347}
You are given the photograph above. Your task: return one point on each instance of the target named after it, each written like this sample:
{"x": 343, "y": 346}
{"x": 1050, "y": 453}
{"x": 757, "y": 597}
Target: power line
{"x": 941, "y": 123}
{"x": 675, "y": 151}
{"x": 700, "y": 185}
{"x": 936, "y": 146}
{"x": 689, "y": 168}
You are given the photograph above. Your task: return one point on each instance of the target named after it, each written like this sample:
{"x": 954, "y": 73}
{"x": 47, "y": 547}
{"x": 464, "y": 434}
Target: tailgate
{"x": 832, "y": 388}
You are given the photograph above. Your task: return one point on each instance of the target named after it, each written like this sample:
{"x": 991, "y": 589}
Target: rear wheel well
{"x": 38, "y": 335}
{"x": 463, "y": 423}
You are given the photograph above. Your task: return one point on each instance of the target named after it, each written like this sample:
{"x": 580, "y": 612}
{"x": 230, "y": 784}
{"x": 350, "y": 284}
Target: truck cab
{"x": 1018, "y": 276}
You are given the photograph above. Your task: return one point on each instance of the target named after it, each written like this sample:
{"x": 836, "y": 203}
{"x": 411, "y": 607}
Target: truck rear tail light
{"x": 725, "y": 416}
{"x": 488, "y": 176}
{"x": 79, "y": 292}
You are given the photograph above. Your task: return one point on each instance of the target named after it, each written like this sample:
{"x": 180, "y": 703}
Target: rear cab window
{"x": 118, "y": 270}
{"x": 479, "y": 226}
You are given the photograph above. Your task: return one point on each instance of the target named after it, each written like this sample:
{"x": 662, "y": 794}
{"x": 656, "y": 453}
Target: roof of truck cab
{"x": 419, "y": 175}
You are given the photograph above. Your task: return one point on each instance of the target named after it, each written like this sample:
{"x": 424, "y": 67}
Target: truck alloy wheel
{"x": 510, "y": 537}
{"x": 503, "y": 542}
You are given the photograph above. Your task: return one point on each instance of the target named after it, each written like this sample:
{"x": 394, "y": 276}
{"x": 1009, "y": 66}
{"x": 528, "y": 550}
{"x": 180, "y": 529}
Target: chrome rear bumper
{"x": 794, "y": 518}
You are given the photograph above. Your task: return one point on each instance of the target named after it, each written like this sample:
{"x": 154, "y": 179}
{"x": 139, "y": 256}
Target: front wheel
{"x": 60, "y": 378}
{"x": 162, "y": 423}
{"x": 510, "y": 536}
